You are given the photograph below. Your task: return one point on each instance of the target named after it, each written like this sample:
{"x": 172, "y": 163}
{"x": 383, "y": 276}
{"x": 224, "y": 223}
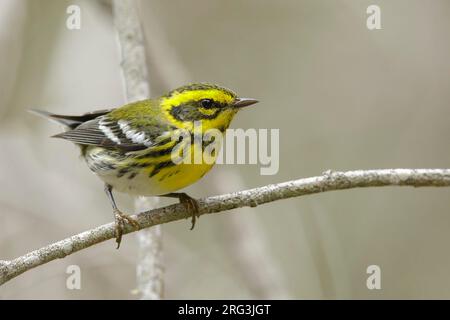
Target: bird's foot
{"x": 120, "y": 220}
{"x": 191, "y": 205}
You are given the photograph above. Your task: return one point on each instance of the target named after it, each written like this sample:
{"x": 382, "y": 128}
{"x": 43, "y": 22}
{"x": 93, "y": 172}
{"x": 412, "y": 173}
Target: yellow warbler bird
{"x": 130, "y": 147}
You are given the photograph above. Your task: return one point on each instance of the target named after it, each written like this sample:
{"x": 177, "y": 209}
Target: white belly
{"x": 140, "y": 185}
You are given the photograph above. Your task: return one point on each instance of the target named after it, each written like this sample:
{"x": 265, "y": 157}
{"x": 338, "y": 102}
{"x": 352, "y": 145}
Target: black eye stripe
{"x": 187, "y": 113}
{"x": 192, "y": 110}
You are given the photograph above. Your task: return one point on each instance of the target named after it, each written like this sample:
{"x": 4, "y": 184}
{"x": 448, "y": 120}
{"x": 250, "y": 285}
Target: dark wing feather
{"x": 108, "y": 133}
{"x": 90, "y": 133}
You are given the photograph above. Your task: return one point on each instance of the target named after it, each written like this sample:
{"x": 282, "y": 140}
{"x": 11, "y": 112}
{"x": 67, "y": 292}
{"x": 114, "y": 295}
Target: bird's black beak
{"x": 243, "y": 102}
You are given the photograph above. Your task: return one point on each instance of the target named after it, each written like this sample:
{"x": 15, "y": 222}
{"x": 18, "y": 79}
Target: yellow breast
{"x": 175, "y": 177}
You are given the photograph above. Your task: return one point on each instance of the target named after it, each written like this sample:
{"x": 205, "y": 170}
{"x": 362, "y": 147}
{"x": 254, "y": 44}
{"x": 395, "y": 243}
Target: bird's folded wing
{"x": 108, "y": 133}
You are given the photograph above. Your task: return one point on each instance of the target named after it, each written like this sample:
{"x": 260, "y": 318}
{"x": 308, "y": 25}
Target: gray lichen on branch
{"x": 328, "y": 181}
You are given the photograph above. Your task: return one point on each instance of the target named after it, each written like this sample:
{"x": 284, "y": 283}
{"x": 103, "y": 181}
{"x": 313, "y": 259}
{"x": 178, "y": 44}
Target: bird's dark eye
{"x": 207, "y": 103}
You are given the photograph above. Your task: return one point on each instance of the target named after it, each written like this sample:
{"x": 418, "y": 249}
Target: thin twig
{"x": 149, "y": 268}
{"x": 328, "y": 181}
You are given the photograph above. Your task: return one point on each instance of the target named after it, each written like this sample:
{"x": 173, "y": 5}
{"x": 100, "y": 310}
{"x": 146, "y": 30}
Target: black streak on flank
{"x": 156, "y": 153}
{"x": 122, "y": 172}
{"x": 160, "y": 166}
{"x": 132, "y": 175}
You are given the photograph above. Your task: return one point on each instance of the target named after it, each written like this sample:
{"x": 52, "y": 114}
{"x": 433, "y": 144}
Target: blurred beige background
{"x": 342, "y": 96}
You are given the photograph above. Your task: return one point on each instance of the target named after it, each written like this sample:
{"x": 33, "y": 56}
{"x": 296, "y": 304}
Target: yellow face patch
{"x": 221, "y": 121}
{"x": 207, "y": 112}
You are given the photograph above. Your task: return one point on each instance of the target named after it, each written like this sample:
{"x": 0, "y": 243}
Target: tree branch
{"x": 328, "y": 181}
{"x": 149, "y": 268}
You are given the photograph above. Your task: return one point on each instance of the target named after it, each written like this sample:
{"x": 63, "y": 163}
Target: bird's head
{"x": 211, "y": 105}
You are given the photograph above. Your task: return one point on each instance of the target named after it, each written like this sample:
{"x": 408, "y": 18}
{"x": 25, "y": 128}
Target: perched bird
{"x": 130, "y": 147}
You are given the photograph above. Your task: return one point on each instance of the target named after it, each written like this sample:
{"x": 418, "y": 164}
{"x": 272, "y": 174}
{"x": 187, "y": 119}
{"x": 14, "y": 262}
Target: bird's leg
{"x": 190, "y": 203}
{"x": 119, "y": 217}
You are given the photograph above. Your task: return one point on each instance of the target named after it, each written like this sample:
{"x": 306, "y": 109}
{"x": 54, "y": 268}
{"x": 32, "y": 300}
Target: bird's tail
{"x": 70, "y": 122}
